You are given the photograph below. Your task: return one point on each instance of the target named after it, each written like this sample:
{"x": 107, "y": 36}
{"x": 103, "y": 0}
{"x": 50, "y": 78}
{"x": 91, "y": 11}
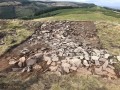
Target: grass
{"x": 50, "y": 81}
{"x": 93, "y": 14}
{"x": 78, "y": 17}
{"x": 68, "y": 82}
{"x": 109, "y": 34}
{"x": 16, "y": 33}
{"x": 78, "y": 83}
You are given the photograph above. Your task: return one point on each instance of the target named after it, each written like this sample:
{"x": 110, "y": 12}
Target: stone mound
{"x": 64, "y": 47}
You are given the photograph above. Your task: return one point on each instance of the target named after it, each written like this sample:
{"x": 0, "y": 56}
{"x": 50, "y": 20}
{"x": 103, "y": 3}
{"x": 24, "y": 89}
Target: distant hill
{"x": 10, "y": 9}
{"x": 29, "y": 9}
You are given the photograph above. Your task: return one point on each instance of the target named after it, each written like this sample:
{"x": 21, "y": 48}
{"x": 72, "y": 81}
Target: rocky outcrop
{"x": 64, "y": 47}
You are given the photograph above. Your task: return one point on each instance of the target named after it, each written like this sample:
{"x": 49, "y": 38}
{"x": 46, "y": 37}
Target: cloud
{"x": 104, "y": 1}
{"x": 108, "y": 3}
{"x": 91, "y": 1}
{"x": 71, "y": 0}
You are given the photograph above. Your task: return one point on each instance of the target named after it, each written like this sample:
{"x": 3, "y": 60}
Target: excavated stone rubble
{"x": 66, "y": 46}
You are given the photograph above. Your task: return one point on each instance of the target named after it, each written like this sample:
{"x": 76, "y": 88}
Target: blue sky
{"x": 108, "y": 3}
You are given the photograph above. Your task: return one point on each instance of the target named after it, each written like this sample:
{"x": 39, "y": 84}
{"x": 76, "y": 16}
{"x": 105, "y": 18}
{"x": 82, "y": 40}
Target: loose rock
{"x": 65, "y": 67}
{"x": 104, "y": 66}
{"x": 85, "y": 62}
{"x": 12, "y": 62}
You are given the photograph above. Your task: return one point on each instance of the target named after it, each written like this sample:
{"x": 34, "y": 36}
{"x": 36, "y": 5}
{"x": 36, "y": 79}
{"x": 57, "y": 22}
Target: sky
{"x": 108, "y": 3}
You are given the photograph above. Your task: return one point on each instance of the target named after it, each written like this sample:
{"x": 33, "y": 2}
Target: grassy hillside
{"x": 93, "y": 14}
{"x": 12, "y": 33}
{"x": 26, "y": 9}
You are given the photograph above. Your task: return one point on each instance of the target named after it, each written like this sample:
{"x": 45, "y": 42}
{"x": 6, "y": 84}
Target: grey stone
{"x": 54, "y": 57}
{"x": 106, "y": 55}
{"x": 75, "y": 62}
{"x": 104, "y": 66}
{"x": 53, "y": 68}
{"x": 47, "y": 58}
{"x": 53, "y": 63}
{"x": 97, "y": 63}
{"x": 25, "y": 51}
{"x": 31, "y": 61}
{"x": 36, "y": 67}
{"x": 49, "y": 62}
{"x": 96, "y": 58}
{"x": 78, "y": 49}
{"x": 73, "y": 68}
{"x": 12, "y": 62}
{"x": 102, "y": 59}
{"x": 22, "y": 59}
{"x": 28, "y": 69}
{"x": 16, "y": 69}
{"x": 97, "y": 52}
{"x": 60, "y": 54}
{"x": 85, "y": 62}
{"x": 81, "y": 57}
{"x": 111, "y": 61}
{"x": 38, "y": 55}
{"x": 24, "y": 69}
{"x": 118, "y": 58}
{"x": 20, "y": 64}
{"x": 86, "y": 55}
{"x": 66, "y": 67}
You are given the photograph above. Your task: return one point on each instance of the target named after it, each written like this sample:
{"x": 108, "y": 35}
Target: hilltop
{"x": 24, "y": 42}
{"x": 53, "y": 49}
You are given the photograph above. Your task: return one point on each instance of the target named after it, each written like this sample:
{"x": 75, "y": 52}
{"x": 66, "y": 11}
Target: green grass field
{"x": 93, "y": 14}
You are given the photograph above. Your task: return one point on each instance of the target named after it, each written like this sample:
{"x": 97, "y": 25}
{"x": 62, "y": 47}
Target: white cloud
{"x": 104, "y": 1}
{"x": 94, "y": 1}
{"x": 111, "y": 3}
{"x": 108, "y": 3}
{"x": 72, "y": 0}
